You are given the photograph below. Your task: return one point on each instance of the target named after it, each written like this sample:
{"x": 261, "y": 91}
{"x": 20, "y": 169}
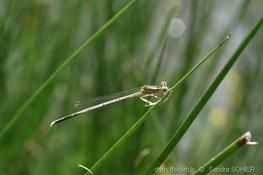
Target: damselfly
{"x": 156, "y": 93}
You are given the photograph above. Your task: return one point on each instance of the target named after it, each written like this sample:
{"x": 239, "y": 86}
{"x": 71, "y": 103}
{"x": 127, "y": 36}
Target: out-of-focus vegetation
{"x": 37, "y": 36}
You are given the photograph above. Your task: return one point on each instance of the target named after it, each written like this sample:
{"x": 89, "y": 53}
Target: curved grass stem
{"x": 146, "y": 115}
{"x": 66, "y": 63}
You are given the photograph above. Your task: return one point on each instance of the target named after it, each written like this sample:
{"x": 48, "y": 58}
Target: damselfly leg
{"x": 149, "y": 102}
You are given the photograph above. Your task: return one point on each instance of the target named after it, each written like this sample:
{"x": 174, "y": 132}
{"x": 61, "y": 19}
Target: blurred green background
{"x": 37, "y": 36}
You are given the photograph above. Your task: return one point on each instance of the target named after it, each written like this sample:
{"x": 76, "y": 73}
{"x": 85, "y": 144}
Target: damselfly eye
{"x": 163, "y": 84}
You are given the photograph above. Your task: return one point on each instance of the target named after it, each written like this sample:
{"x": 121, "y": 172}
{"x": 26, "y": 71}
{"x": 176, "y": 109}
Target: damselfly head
{"x": 163, "y": 86}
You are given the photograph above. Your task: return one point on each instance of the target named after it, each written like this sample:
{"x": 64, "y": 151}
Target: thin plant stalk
{"x": 66, "y": 63}
{"x": 203, "y": 100}
{"x": 135, "y": 126}
{"x": 162, "y": 37}
{"x": 159, "y": 62}
{"x": 243, "y": 140}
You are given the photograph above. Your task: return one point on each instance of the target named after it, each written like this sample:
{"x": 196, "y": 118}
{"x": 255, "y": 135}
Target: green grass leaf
{"x": 243, "y": 140}
{"x": 203, "y": 100}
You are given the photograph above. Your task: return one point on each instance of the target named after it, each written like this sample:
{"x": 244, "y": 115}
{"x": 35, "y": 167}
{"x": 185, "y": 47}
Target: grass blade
{"x": 73, "y": 56}
{"x": 135, "y": 126}
{"x": 203, "y": 100}
{"x": 228, "y": 151}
